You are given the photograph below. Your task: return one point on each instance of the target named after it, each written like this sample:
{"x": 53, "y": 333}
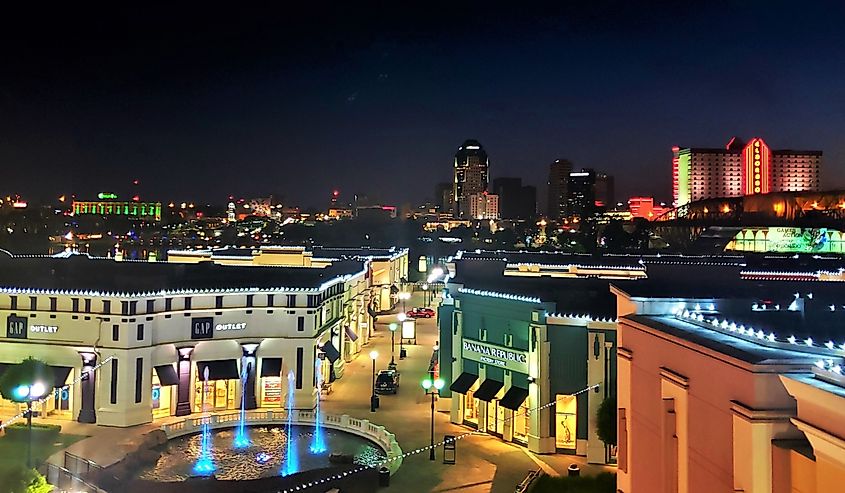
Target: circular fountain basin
{"x": 266, "y": 456}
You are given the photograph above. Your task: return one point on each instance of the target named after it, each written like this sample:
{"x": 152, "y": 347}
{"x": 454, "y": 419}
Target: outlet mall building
{"x": 165, "y": 324}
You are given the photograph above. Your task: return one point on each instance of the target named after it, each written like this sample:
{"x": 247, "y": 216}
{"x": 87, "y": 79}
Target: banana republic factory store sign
{"x": 490, "y": 354}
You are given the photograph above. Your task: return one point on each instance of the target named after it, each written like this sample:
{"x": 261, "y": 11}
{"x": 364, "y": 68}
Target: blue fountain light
{"x": 318, "y": 444}
{"x": 241, "y": 440}
{"x": 291, "y": 464}
{"x": 205, "y": 464}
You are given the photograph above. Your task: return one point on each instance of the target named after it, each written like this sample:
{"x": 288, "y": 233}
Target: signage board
{"x": 16, "y": 327}
{"x": 490, "y": 354}
{"x": 235, "y": 326}
{"x": 202, "y": 327}
{"x": 788, "y": 240}
{"x": 44, "y": 329}
{"x": 409, "y": 329}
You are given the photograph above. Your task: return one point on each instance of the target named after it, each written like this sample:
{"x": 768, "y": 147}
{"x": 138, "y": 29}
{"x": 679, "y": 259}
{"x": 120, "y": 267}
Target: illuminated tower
{"x": 756, "y": 164}
{"x": 472, "y": 176}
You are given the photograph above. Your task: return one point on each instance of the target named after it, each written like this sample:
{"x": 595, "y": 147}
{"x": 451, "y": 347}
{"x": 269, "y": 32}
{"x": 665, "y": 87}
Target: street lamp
{"x": 374, "y": 397}
{"x": 425, "y": 293}
{"x": 404, "y": 296}
{"x": 29, "y": 393}
{"x": 432, "y": 387}
{"x": 393, "y": 327}
{"x": 401, "y": 317}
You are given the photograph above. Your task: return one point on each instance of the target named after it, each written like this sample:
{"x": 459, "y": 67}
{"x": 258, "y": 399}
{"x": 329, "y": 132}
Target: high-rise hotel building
{"x": 741, "y": 169}
{"x": 472, "y": 176}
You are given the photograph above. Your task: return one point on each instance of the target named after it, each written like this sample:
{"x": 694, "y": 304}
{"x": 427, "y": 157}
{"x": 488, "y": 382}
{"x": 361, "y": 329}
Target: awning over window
{"x": 371, "y": 311}
{"x": 351, "y": 334}
{"x": 464, "y": 381}
{"x": 223, "y": 369}
{"x": 167, "y": 375}
{"x": 60, "y": 374}
{"x": 514, "y": 398}
{"x": 331, "y": 351}
{"x": 488, "y": 389}
{"x": 271, "y": 367}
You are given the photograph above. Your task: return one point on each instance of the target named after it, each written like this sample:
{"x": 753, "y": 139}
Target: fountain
{"x": 241, "y": 440}
{"x": 291, "y": 464}
{"x": 318, "y": 444}
{"x": 205, "y": 464}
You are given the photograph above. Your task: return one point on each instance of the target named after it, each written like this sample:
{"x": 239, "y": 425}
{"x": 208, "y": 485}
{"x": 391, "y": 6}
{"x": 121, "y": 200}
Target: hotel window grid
{"x": 33, "y": 303}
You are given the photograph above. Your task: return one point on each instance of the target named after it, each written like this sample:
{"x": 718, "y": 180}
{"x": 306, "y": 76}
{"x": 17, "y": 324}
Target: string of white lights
{"x": 335, "y": 477}
{"x": 44, "y": 399}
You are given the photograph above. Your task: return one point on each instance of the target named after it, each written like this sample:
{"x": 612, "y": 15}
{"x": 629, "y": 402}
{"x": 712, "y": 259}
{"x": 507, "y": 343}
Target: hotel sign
{"x": 490, "y": 354}
{"x": 16, "y": 327}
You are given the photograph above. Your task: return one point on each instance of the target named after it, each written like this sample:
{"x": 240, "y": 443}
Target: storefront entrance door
{"x": 495, "y": 418}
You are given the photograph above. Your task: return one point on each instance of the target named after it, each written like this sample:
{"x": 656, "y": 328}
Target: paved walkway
{"x": 484, "y": 463}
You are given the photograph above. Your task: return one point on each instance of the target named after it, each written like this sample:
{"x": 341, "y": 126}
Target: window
{"x": 139, "y": 378}
{"x": 115, "y": 332}
{"x": 133, "y": 307}
{"x": 313, "y": 300}
{"x": 187, "y": 303}
{"x": 74, "y": 305}
{"x": 33, "y": 303}
{"x": 106, "y": 306}
{"x": 300, "y": 324}
{"x": 622, "y": 450}
{"x": 87, "y": 305}
{"x": 53, "y": 303}
{"x": 168, "y": 304}
{"x": 218, "y": 302}
{"x": 299, "y": 355}
{"x": 124, "y": 308}
{"x": 13, "y": 302}
{"x": 151, "y": 306}
{"x": 140, "y": 333}
{"x": 291, "y": 301}
{"x": 270, "y": 300}
{"x": 113, "y": 387}
{"x": 249, "y": 299}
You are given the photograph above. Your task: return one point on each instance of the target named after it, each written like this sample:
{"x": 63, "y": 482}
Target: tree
{"x": 25, "y": 373}
{"x": 606, "y": 421}
{"x": 18, "y": 478}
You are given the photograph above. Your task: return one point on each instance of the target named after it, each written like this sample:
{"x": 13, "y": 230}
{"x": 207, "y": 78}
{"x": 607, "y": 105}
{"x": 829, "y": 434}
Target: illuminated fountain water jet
{"x": 291, "y": 464}
{"x": 241, "y": 436}
{"x": 205, "y": 463}
{"x": 318, "y": 444}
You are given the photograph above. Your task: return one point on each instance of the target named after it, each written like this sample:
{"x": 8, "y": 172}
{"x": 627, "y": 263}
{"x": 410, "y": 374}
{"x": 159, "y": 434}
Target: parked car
{"x": 387, "y": 382}
{"x": 420, "y": 313}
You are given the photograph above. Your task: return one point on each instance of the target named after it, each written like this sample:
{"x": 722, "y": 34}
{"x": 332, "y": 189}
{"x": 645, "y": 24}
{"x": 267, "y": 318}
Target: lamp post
{"x": 425, "y": 293}
{"x": 30, "y": 393}
{"x": 432, "y": 387}
{"x": 393, "y": 327}
{"x": 374, "y": 397}
{"x": 401, "y": 317}
{"x": 404, "y": 296}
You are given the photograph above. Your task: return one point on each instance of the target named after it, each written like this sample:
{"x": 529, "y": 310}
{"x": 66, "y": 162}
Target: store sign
{"x": 201, "y": 328}
{"x": 16, "y": 327}
{"x": 43, "y": 329}
{"x": 237, "y": 326}
{"x": 788, "y": 240}
{"x": 489, "y": 354}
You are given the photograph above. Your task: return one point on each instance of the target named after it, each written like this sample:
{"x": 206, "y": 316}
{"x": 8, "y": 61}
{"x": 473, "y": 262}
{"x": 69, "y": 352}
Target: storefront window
{"x": 219, "y": 395}
{"x": 566, "y": 415}
{"x": 161, "y": 398}
{"x": 471, "y": 405}
{"x": 271, "y": 392}
{"x": 522, "y": 423}
{"x": 60, "y": 404}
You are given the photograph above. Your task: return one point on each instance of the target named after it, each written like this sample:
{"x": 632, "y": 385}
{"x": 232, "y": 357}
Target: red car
{"x": 420, "y": 313}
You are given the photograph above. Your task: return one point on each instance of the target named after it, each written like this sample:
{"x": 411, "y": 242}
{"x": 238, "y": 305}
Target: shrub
{"x": 18, "y": 478}
{"x": 40, "y": 431}
{"x": 606, "y": 421}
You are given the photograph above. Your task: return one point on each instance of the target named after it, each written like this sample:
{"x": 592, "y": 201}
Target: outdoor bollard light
{"x": 30, "y": 393}
{"x": 401, "y": 317}
{"x": 393, "y": 327}
{"x": 432, "y": 387}
{"x": 374, "y": 397}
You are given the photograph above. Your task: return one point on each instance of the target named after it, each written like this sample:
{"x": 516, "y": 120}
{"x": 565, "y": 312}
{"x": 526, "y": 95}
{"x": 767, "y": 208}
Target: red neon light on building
{"x": 756, "y": 164}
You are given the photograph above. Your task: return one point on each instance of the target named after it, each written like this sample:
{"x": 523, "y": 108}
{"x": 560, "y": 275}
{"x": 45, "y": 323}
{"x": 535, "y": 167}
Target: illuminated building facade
{"x": 581, "y": 199}
{"x": 644, "y": 207}
{"x": 483, "y": 206}
{"x": 741, "y": 169}
{"x": 150, "y": 211}
{"x": 472, "y": 176}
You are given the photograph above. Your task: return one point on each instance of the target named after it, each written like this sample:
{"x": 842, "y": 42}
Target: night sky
{"x": 200, "y": 104}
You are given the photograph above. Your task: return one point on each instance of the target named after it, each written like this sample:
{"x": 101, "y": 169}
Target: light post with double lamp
{"x": 401, "y": 318}
{"x": 393, "y": 326}
{"x": 374, "y": 397}
{"x": 432, "y": 387}
{"x": 29, "y": 393}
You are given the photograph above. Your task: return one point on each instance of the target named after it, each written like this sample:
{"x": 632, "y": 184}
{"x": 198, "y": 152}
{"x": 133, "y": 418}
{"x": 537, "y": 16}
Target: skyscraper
{"x": 558, "y": 187}
{"x": 741, "y": 169}
{"x": 472, "y": 176}
{"x": 605, "y": 190}
{"x": 515, "y": 201}
{"x": 443, "y": 196}
{"x": 581, "y": 200}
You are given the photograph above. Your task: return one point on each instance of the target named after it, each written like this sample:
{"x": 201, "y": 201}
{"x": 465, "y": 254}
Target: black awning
{"x": 488, "y": 389}
{"x": 167, "y": 375}
{"x": 371, "y": 311}
{"x": 331, "y": 351}
{"x": 351, "y": 334}
{"x": 60, "y": 374}
{"x": 393, "y": 289}
{"x": 464, "y": 381}
{"x": 514, "y": 398}
{"x": 223, "y": 369}
{"x": 271, "y": 367}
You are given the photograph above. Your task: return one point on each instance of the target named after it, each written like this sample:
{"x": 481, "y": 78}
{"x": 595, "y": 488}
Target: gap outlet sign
{"x": 489, "y": 354}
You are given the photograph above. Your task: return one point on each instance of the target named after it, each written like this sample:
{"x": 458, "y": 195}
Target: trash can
{"x": 373, "y": 402}
{"x": 573, "y": 470}
{"x": 403, "y": 353}
{"x": 384, "y": 476}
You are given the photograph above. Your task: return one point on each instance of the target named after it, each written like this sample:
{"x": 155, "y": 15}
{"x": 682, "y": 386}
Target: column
{"x": 87, "y": 413}
{"x": 183, "y": 389}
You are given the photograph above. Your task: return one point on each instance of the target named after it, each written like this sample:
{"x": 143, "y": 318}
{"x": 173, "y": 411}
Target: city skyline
{"x": 173, "y": 102}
